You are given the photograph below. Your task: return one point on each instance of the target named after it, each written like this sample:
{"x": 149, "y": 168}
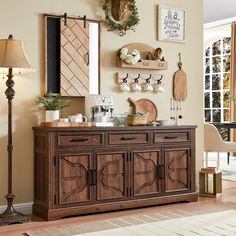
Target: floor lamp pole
{"x": 10, "y": 215}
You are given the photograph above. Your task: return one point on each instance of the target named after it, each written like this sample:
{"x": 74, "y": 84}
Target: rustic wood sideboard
{"x": 88, "y": 170}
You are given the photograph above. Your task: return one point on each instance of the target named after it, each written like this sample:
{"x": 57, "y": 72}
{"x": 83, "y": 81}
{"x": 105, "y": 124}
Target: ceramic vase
{"x": 52, "y": 115}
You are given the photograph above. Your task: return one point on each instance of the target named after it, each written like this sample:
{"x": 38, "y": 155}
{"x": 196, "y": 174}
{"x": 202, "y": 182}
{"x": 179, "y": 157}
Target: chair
{"x": 213, "y": 142}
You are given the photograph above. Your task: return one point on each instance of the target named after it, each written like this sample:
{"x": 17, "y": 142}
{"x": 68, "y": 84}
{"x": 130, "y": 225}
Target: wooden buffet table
{"x": 88, "y": 170}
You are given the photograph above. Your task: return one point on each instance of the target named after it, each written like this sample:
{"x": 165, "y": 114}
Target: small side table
{"x": 210, "y": 182}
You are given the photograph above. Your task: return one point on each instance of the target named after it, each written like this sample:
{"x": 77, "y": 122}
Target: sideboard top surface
{"x": 128, "y": 128}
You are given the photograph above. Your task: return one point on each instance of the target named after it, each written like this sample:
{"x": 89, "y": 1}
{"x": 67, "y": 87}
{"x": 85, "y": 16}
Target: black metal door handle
{"x": 170, "y": 137}
{"x": 87, "y": 58}
{"x": 79, "y": 140}
{"x": 127, "y": 138}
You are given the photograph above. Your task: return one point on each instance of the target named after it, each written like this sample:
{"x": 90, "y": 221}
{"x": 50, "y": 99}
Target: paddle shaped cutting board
{"x": 180, "y": 84}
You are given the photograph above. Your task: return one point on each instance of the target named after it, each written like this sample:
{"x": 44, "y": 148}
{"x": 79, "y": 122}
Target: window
{"x": 217, "y": 81}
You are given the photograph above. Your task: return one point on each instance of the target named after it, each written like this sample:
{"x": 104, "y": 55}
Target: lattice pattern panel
{"x": 74, "y": 58}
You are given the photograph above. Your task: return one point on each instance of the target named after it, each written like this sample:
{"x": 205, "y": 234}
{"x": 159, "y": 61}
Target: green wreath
{"x": 122, "y": 27}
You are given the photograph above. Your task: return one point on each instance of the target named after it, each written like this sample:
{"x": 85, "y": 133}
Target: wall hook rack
{"x": 139, "y": 82}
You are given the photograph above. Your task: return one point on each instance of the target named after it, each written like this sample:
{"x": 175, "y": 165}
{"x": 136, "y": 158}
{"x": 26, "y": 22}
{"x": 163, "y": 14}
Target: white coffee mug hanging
{"x": 159, "y": 88}
{"x": 124, "y": 87}
{"x": 136, "y": 87}
{"x": 148, "y": 86}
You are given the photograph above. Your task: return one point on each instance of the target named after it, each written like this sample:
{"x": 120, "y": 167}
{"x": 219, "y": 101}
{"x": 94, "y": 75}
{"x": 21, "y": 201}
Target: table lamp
{"x": 12, "y": 56}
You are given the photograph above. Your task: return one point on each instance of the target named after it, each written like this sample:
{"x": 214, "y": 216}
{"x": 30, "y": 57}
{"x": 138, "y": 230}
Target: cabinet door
{"x": 145, "y": 173}
{"x": 73, "y": 178}
{"x": 177, "y": 170}
{"x": 112, "y": 175}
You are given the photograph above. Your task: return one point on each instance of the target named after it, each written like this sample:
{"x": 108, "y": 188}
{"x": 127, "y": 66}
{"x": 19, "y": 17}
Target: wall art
{"x": 171, "y": 24}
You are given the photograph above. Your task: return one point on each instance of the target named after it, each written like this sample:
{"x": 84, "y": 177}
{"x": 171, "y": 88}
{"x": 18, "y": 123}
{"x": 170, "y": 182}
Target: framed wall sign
{"x": 171, "y": 24}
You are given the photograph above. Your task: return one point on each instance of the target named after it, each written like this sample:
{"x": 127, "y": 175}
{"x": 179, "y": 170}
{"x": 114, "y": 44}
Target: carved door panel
{"x": 146, "y": 173}
{"x": 112, "y": 175}
{"x": 74, "y": 178}
{"x": 177, "y": 168}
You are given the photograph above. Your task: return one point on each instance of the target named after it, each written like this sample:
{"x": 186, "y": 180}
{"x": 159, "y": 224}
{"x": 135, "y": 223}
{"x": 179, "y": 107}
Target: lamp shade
{"x": 12, "y": 54}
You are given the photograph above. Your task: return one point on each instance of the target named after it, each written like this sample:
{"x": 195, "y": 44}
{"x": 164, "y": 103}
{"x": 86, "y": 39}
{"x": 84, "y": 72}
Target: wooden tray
{"x": 145, "y": 105}
{"x": 66, "y": 124}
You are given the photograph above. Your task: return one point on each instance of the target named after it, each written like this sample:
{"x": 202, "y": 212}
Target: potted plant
{"x": 52, "y": 103}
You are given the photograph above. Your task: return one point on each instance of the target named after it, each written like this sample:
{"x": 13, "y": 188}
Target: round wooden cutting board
{"x": 145, "y": 105}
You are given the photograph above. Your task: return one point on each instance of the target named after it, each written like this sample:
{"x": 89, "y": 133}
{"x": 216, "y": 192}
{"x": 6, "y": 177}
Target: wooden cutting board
{"x": 145, "y": 105}
{"x": 180, "y": 84}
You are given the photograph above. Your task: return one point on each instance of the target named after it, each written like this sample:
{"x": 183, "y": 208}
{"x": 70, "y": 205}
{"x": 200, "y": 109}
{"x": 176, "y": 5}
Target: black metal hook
{"x": 65, "y": 19}
{"x": 159, "y": 80}
{"x": 136, "y": 79}
{"x": 85, "y": 18}
{"x": 125, "y": 78}
{"x": 148, "y": 79}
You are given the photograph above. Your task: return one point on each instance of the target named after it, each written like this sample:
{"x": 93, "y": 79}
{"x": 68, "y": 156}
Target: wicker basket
{"x": 137, "y": 119}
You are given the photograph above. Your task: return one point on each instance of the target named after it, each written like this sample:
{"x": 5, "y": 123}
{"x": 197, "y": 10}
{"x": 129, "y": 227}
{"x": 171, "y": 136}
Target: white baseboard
{"x": 197, "y": 188}
{"x": 25, "y": 208}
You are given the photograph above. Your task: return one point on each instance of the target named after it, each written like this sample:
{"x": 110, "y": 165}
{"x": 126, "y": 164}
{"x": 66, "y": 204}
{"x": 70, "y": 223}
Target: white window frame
{"x": 208, "y": 41}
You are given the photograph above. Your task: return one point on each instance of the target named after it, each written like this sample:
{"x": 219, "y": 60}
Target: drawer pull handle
{"x": 171, "y": 137}
{"x": 127, "y": 138}
{"x": 79, "y": 140}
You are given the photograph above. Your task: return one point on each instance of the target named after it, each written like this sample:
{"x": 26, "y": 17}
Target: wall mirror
{"x": 72, "y": 51}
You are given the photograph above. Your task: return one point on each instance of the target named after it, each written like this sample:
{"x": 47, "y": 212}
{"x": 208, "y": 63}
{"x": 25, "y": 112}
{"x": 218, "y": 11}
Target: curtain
{"x": 233, "y": 77}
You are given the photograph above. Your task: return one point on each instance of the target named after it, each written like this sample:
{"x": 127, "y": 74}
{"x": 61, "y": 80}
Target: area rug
{"x": 216, "y": 223}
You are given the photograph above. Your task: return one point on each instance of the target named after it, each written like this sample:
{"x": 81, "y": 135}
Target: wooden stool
{"x": 210, "y": 182}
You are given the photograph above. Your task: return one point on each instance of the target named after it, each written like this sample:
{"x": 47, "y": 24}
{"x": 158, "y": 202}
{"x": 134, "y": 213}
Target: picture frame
{"x": 171, "y": 24}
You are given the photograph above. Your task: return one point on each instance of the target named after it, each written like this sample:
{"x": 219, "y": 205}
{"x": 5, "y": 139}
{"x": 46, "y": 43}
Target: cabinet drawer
{"x": 169, "y": 137}
{"x": 80, "y": 139}
{"x": 122, "y": 138}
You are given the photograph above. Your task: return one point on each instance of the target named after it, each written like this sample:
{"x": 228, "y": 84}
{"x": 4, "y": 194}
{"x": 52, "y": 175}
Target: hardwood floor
{"x": 226, "y": 200}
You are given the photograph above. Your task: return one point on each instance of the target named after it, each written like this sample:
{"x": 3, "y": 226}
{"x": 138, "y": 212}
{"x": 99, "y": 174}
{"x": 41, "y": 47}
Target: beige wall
{"x": 24, "y": 20}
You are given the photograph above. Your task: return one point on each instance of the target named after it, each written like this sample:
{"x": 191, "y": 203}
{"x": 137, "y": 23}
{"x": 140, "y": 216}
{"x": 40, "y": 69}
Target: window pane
{"x": 216, "y": 115}
{"x": 216, "y": 48}
{"x": 226, "y": 45}
{"x": 207, "y": 66}
{"x": 226, "y": 63}
{"x": 207, "y": 52}
{"x": 226, "y": 81}
{"x": 216, "y": 82}
{"x": 207, "y": 82}
{"x": 226, "y": 115}
{"x": 216, "y": 64}
{"x": 207, "y": 100}
{"x": 226, "y": 99}
{"x": 216, "y": 99}
{"x": 207, "y": 115}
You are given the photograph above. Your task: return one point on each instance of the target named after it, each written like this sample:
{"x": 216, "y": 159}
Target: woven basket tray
{"x": 136, "y": 120}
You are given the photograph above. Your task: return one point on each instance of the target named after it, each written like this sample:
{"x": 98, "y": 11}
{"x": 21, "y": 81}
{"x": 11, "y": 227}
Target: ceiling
{"x": 215, "y": 10}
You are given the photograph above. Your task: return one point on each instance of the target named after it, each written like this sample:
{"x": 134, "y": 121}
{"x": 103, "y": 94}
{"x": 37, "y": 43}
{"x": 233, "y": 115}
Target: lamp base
{"x": 11, "y": 216}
